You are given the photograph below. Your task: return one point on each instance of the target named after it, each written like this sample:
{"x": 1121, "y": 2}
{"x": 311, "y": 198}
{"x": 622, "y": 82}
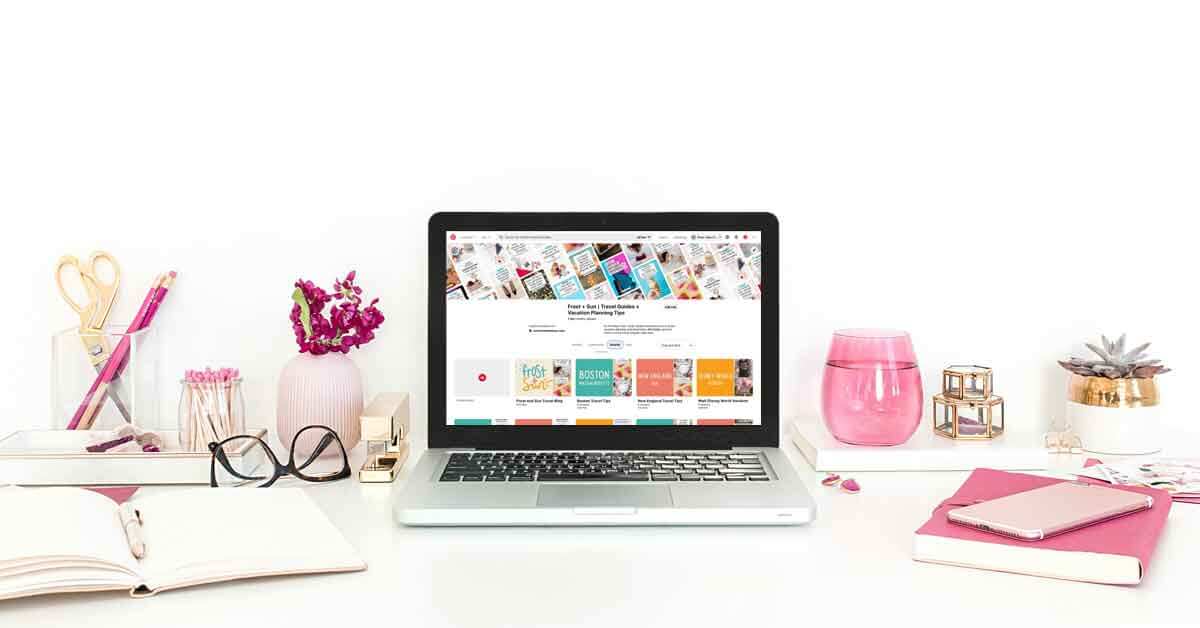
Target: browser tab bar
{"x": 602, "y": 236}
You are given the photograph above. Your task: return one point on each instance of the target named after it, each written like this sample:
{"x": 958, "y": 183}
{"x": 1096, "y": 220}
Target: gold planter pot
{"x": 1102, "y": 392}
{"x": 1115, "y": 416}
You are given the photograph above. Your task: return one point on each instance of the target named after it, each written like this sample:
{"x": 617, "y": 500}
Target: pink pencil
{"x": 162, "y": 294}
{"x": 152, "y": 309}
{"x": 91, "y": 405}
{"x": 136, "y": 324}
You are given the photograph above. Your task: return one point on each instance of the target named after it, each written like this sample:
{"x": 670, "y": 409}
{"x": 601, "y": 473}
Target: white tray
{"x": 58, "y": 458}
{"x": 925, "y": 451}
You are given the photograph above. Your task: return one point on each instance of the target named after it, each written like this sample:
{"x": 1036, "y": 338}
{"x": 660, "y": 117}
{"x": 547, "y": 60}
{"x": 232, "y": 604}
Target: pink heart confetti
{"x": 851, "y": 486}
{"x": 831, "y": 479}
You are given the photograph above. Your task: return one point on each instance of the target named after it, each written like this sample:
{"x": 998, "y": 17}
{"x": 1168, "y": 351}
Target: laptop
{"x": 603, "y": 369}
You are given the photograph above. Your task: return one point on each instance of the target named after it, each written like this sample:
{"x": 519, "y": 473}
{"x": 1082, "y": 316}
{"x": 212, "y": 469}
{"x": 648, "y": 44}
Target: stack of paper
{"x": 1178, "y": 476}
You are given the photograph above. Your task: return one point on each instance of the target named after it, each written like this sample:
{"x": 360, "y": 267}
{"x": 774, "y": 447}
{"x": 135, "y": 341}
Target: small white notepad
{"x": 69, "y": 540}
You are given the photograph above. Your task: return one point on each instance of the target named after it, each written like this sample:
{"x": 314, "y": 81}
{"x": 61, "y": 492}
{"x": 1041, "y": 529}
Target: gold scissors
{"x": 100, "y": 292}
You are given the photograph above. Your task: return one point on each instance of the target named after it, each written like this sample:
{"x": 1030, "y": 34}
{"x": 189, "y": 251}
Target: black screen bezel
{"x": 442, "y": 435}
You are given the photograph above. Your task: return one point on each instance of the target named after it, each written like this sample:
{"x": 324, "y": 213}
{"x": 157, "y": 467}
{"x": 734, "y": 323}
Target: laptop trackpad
{"x": 603, "y": 495}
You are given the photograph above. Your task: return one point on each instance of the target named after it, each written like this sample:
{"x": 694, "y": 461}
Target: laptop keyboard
{"x": 563, "y": 466}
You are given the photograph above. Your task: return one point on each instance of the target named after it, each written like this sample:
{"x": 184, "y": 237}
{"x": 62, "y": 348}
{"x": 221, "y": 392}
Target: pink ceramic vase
{"x": 319, "y": 390}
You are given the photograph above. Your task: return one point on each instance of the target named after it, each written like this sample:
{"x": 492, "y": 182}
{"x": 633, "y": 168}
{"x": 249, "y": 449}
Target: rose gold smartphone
{"x": 1044, "y": 512}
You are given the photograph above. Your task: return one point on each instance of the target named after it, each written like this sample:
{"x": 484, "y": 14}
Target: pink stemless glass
{"x": 871, "y": 393}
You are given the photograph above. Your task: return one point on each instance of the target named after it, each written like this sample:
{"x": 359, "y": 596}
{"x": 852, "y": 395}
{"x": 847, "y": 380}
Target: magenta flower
{"x": 347, "y": 324}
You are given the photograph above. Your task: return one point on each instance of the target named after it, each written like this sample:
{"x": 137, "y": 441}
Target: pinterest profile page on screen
{"x": 596, "y": 328}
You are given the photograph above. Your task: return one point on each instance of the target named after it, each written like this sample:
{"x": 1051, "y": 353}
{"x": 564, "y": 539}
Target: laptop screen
{"x": 603, "y": 328}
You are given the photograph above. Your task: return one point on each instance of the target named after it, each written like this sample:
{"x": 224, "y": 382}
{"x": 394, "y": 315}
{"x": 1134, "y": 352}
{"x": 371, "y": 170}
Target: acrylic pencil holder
{"x": 105, "y": 379}
{"x": 210, "y": 412}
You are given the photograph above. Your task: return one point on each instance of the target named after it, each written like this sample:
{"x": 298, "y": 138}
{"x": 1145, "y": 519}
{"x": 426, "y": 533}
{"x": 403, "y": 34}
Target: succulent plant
{"x": 1115, "y": 362}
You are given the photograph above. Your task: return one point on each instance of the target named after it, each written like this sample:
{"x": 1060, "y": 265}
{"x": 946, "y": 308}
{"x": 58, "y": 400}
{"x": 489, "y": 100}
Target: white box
{"x": 925, "y": 451}
{"x": 58, "y": 458}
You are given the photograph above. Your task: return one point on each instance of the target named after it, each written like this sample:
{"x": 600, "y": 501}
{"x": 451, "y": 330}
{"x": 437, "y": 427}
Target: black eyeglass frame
{"x": 281, "y": 470}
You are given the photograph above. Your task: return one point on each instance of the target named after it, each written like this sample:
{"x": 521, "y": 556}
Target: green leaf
{"x": 305, "y": 314}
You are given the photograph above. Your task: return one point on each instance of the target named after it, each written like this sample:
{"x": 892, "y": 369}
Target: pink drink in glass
{"x": 871, "y": 393}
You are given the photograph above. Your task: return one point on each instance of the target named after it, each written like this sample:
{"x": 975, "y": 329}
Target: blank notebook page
{"x": 211, "y": 534}
{"x": 42, "y": 523}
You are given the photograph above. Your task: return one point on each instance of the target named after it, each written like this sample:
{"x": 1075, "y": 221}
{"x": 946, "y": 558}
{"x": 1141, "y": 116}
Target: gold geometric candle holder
{"x": 966, "y": 409}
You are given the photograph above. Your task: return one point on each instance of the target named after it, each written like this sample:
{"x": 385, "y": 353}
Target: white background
{"x": 1003, "y": 180}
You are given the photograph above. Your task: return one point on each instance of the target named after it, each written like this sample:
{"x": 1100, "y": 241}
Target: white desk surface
{"x": 852, "y": 566}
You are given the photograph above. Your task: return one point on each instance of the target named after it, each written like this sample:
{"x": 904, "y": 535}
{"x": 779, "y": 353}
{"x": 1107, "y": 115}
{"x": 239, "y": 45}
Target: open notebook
{"x": 62, "y": 540}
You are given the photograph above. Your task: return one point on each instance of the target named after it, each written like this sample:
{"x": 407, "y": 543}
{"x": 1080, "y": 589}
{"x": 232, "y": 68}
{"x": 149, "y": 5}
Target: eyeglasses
{"x": 247, "y": 461}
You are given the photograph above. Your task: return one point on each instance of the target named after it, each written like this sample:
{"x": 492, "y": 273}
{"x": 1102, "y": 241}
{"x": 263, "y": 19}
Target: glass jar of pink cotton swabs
{"x": 211, "y": 408}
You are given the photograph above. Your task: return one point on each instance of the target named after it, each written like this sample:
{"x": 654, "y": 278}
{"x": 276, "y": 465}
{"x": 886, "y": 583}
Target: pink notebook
{"x": 1111, "y": 552}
